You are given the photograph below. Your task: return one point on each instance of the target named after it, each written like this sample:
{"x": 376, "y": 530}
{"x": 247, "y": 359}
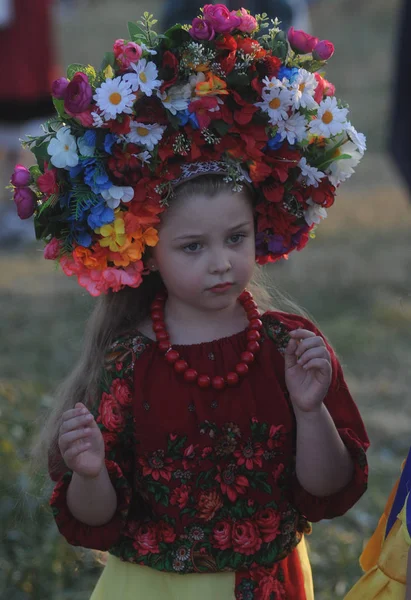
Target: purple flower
{"x": 300, "y": 41}
{"x": 25, "y": 200}
{"x": 265, "y": 243}
{"x": 201, "y": 30}
{"x": 220, "y": 18}
{"x": 323, "y": 50}
{"x": 21, "y": 176}
{"x": 78, "y": 95}
{"x": 59, "y": 88}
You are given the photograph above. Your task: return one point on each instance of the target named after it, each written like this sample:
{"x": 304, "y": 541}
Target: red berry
{"x": 180, "y": 366}
{"x": 247, "y": 357}
{"x": 253, "y": 334}
{"x": 164, "y": 345}
{"x": 249, "y": 305}
{"x": 245, "y": 296}
{"x": 218, "y": 382}
{"x": 158, "y": 326}
{"x": 232, "y": 378}
{"x": 157, "y": 315}
{"x": 172, "y": 356}
{"x": 162, "y": 336}
{"x": 190, "y": 375}
{"x": 204, "y": 381}
{"x": 241, "y": 368}
{"x": 253, "y": 346}
{"x": 157, "y": 305}
{"x": 253, "y": 314}
{"x": 255, "y": 324}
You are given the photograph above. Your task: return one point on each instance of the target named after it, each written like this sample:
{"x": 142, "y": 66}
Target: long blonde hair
{"x": 117, "y": 313}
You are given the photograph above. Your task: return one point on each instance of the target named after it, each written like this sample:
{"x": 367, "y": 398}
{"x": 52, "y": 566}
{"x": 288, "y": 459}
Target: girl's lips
{"x": 221, "y": 287}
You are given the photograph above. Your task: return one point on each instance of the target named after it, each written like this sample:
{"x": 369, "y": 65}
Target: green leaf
{"x": 35, "y": 172}
{"x": 136, "y": 32}
{"x": 59, "y": 106}
{"x": 40, "y": 152}
{"x": 108, "y": 60}
{"x": 175, "y": 37}
{"x": 221, "y": 127}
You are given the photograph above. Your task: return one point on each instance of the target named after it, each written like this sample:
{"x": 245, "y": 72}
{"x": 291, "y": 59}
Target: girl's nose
{"x": 219, "y": 263}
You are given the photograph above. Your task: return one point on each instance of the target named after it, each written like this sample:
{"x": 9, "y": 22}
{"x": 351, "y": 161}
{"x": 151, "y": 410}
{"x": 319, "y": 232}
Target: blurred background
{"x": 354, "y": 278}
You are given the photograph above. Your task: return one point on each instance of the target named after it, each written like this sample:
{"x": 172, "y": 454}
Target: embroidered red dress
{"x": 206, "y": 479}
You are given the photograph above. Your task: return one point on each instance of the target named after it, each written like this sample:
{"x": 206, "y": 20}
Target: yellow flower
{"x": 113, "y": 234}
{"x": 108, "y": 72}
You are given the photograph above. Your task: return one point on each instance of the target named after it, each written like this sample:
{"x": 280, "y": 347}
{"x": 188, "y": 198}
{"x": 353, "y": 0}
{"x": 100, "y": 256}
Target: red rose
{"x": 110, "y": 439}
{"x": 246, "y": 537}
{"x": 78, "y": 94}
{"x": 180, "y": 496}
{"x": 268, "y": 521}
{"x": 110, "y": 413}
{"x": 165, "y": 532}
{"x": 208, "y": 504}
{"x": 324, "y": 194}
{"x": 121, "y": 392}
{"x": 221, "y": 535}
{"x": 119, "y": 366}
{"x": 146, "y": 541}
{"x": 226, "y": 42}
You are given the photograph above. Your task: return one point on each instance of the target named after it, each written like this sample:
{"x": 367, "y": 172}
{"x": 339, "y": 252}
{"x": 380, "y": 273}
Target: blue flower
{"x": 80, "y": 233}
{"x": 90, "y": 137}
{"x": 87, "y": 143}
{"x": 96, "y": 177}
{"x": 109, "y": 141}
{"x": 185, "y": 116}
{"x": 275, "y": 142}
{"x": 290, "y": 74}
{"x": 100, "y": 215}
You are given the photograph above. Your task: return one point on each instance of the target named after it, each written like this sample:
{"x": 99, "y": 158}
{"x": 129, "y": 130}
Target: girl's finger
{"x": 291, "y": 347}
{"x": 320, "y": 352}
{"x": 301, "y": 334}
{"x": 312, "y": 342}
{"x": 74, "y": 412}
{"x": 318, "y": 363}
{"x": 75, "y": 450}
{"x": 76, "y": 423}
{"x": 72, "y": 436}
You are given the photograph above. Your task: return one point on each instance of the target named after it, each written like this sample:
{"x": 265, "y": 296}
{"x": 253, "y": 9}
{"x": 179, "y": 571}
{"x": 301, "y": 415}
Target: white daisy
{"x": 330, "y": 120}
{"x": 97, "y": 120}
{"x": 176, "y": 98}
{"x": 357, "y": 138}
{"x": 303, "y": 90}
{"x": 114, "y": 97}
{"x": 63, "y": 149}
{"x": 144, "y": 78}
{"x": 271, "y": 84}
{"x": 145, "y": 134}
{"x": 145, "y": 157}
{"x": 311, "y": 175}
{"x": 146, "y": 49}
{"x": 116, "y": 194}
{"x": 294, "y": 128}
{"x": 342, "y": 169}
{"x": 314, "y": 213}
{"x": 276, "y": 103}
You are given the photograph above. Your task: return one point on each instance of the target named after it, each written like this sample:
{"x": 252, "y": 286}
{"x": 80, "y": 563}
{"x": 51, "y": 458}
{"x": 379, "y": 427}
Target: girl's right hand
{"x": 81, "y": 442}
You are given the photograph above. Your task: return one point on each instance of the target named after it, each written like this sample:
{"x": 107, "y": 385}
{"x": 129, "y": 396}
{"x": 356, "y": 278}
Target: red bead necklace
{"x": 182, "y": 367}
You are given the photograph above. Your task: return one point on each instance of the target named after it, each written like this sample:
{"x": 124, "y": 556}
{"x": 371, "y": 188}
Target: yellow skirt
{"x": 126, "y": 581}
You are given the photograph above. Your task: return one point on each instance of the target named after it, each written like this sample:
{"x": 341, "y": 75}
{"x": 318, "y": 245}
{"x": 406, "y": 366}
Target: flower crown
{"x": 231, "y": 93}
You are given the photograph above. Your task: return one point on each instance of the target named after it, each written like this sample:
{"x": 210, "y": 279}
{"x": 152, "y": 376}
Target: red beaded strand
{"x": 182, "y": 367}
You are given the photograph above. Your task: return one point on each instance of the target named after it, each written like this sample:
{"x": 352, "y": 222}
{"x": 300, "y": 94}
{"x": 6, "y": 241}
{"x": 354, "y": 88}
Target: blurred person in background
{"x": 289, "y": 12}
{"x": 26, "y": 51}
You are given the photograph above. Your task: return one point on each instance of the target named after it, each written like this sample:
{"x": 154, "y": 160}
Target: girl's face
{"x": 203, "y": 243}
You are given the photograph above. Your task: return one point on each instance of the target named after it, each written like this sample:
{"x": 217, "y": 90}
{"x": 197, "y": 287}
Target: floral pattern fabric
{"x": 206, "y": 479}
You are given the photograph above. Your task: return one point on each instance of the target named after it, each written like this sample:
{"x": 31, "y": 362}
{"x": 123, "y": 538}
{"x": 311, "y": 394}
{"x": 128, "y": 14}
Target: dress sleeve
{"x": 348, "y": 422}
{"x": 113, "y": 415}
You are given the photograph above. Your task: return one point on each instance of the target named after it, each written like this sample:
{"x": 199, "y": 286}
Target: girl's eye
{"x": 236, "y": 238}
{"x": 193, "y": 247}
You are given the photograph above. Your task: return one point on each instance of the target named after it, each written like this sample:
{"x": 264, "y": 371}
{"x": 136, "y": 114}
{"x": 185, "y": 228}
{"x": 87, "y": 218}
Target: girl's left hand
{"x": 308, "y": 370}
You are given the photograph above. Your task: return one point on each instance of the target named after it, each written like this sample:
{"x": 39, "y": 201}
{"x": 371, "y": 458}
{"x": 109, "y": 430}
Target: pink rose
{"x": 248, "y": 23}
{"x": 323, "y": 50}
{"x": 127, "y": 53}
{"x": 180, "y": 496}
{"x": 201, "y": 30}
{"x": 52, "y": 250}
{"x": 110, "y": 413}
{"x": 25, "y": 200}
{"x": 221, "y": 535}
{"x": 165, "y": 532}
{"x": 246, "y": 537}
{"x": 220, "y": 18}
{"x": 85, "y": 117}
{"x": 301, "y": 42}
{"x": 78, "y": 95}
{"x": 59, "y": 88}
{"x": 268, "y": 522}
{"x": 146, "y": 541}
{"x": 121, "y": 392}
{"x": 21, "y": 176}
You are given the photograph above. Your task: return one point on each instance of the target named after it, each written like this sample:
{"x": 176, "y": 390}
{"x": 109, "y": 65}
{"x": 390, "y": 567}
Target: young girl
{"x": 198, "y": 435}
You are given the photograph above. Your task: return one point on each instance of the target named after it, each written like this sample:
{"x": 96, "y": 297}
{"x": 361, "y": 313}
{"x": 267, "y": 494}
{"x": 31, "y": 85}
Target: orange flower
{"x": 94, "y": 258}
{"x": 128, "y": 253}
{"x": 212, "y": 86}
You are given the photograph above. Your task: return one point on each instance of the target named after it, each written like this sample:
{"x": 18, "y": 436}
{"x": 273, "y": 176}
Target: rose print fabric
{"x": 206, "y": 479}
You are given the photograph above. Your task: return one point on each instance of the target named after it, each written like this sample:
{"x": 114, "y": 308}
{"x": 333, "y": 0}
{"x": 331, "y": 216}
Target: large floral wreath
{"x": 232, "y": 90}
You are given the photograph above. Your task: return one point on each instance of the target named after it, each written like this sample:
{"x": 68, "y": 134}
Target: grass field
{"x": 354, "y": 278}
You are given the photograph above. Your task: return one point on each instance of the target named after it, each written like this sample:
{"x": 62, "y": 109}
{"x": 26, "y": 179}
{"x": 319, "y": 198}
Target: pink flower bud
{"x": 248, "y": 22}
{"x": 323, "y": 50}
{"x": 78, "y": 94}
{"x": 201, "y": 30}
{"x": 25, "y": 200}
{"x": 127, "y": 53}
{"x": 301, "y": 42}
{"x": 59, "y": 87}
{"x": 52, "y": 250}
{"x": 21, "y": 177}
{"x": 220, "y": 18}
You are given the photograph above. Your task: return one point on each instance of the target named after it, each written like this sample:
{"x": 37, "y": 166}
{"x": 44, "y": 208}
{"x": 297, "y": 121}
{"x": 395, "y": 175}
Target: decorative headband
{"x": 230, "y": 95}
